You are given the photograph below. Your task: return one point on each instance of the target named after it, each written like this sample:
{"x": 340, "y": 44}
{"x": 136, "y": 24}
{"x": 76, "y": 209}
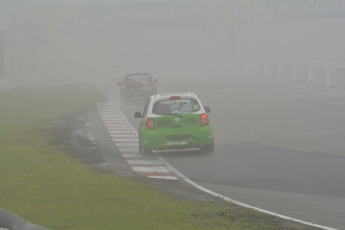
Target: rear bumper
{"x": 160, "y": 141}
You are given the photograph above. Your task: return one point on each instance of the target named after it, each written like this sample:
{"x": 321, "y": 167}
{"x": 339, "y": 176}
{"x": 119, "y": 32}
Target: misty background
{"x": 46, "y": 42}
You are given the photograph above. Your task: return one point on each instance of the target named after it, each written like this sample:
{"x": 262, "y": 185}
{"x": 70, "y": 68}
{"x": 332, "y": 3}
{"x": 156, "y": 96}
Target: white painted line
{"x": 118, "y": 128}
{"x": 119, "y": 122}
{"x": 116, "y": 125}
{"x": 107, "y": 119}
{"x": 123, "y": 131}
{"x": 112, "y": 112}
{"x": 171, "y": 168}
{"x": 136, "y": 140}
{"x": 109, "y": 110}
{"x": 116, "y": 113}
{"x": 132, "y": 150}
{"x": 144, "y": 162}
{"x": 120, "y": 132}
{"x": 119, "y": 111}
{"x": 110, "y": 116}
{"x": 127, "y": 144}
{"x": 112, "y": 129}
{"x": 150, "y": 169}
{"x": 108, "y": 113}
{"x": 122, "y": 135}
{"x": 128, "y": 155}
{"x": 164, "y": 177}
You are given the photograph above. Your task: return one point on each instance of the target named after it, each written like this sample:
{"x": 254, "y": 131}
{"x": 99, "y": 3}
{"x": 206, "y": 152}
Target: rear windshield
{"x": 175, "y": 106}
{"x": 138, "y": 78}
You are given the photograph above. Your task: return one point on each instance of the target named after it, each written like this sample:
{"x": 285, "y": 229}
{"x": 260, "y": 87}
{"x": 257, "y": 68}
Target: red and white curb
{"x": 126, "y": 140}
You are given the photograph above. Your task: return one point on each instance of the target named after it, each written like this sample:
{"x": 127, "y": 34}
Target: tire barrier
{"x": 10, "y": 221}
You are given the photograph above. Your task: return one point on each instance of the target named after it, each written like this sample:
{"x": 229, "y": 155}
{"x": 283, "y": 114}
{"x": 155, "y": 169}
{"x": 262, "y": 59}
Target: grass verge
{"x": 44, "y": 185}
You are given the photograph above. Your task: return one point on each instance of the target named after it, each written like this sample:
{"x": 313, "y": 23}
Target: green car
{"x": 175, "y": 121}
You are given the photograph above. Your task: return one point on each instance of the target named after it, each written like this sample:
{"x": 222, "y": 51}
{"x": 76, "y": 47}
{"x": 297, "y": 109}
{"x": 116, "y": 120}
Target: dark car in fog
{"x": 137, "y": 87}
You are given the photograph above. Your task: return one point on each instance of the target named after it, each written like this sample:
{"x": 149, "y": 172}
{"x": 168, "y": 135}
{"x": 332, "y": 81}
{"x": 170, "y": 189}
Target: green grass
{"x": 44, "y": 185}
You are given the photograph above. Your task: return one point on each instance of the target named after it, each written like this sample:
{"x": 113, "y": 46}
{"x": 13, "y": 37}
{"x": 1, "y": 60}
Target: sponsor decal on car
{"x": 169, "y": 102}
{"x": 164, "y": 122}
{"x": 176, "y": 143}
{"x": 190, "y": 121}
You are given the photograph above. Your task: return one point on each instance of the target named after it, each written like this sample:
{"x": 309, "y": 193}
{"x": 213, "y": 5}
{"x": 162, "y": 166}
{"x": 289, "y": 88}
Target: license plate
{"x": 176, "y": 143}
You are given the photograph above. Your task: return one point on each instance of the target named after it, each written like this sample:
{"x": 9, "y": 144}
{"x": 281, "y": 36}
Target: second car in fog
{"x": 137, "y": 87}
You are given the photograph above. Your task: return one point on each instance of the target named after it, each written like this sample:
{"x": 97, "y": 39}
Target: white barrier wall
{"x": 321, "y": 72}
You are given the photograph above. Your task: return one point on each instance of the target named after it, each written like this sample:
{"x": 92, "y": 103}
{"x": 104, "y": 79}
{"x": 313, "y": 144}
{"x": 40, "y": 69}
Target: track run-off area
{"x": 279, "y": 145}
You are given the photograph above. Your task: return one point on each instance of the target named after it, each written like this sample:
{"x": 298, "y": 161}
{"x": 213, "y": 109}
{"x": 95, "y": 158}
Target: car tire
{"x": 208, "y": 149}
{"x": 142, "y": 148}
{"x": 147, "y": 151}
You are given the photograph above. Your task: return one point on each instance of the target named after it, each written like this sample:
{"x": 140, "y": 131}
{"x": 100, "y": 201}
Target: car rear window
{"x": 175, "y": 106}
{"x": 138, "y": 78}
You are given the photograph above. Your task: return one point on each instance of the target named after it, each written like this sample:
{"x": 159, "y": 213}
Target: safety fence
{"x": 320, "y": 72}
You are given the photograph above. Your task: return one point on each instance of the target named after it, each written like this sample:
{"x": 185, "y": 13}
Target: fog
{"x": 246, "y": 59}
{"x": 77, "y": 41}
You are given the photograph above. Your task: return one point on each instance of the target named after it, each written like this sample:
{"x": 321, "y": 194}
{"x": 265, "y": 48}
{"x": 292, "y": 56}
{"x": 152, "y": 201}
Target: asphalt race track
{"x": 279, "y": 145}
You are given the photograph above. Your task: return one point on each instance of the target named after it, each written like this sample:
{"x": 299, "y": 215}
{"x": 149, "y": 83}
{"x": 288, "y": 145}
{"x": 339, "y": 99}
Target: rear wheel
{"x": 208, "y": 148}
{"x": 142, "y": 148}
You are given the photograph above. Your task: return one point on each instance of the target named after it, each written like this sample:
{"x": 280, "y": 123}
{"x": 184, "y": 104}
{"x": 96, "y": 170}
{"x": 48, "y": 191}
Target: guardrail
{"x": 10, "y": 221}
{"x": 320, "y": 72}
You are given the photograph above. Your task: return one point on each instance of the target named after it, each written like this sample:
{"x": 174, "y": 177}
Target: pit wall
{"x": 320, "y": 72}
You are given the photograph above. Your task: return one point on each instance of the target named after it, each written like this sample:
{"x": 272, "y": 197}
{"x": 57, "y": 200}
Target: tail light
{"x": 149, "y": 123}
{"x": 123, "y": 87}
{"x": 153, "y": 85}
{"x": 204, "y": 119}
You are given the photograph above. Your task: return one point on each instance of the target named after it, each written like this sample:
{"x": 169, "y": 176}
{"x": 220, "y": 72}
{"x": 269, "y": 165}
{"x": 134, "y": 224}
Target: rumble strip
{"x": 126, "y": 140}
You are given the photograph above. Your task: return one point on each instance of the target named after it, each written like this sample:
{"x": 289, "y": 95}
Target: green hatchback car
{"x": 175, "y": 121}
